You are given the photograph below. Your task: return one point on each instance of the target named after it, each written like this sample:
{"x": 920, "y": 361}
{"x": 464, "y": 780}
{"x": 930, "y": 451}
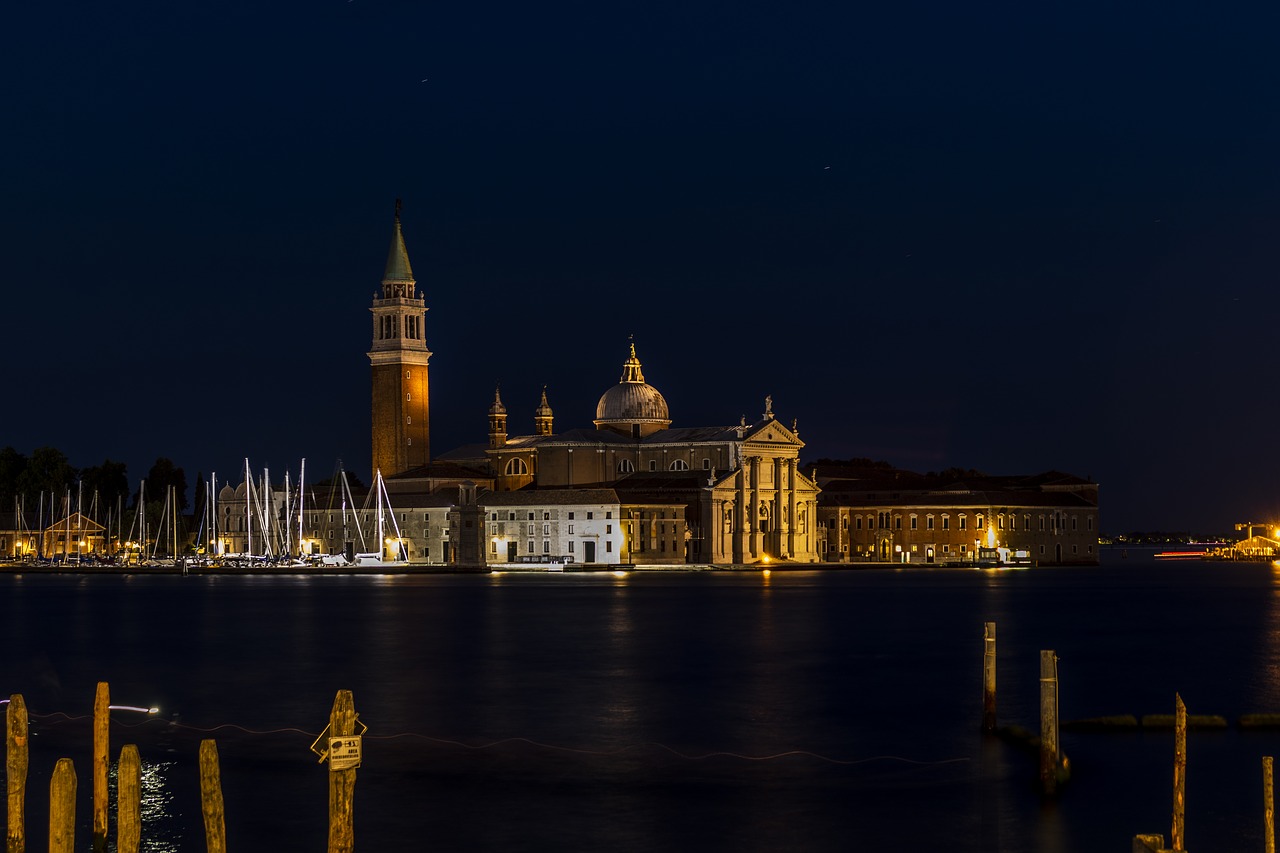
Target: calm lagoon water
{"x": 809, "y": 711}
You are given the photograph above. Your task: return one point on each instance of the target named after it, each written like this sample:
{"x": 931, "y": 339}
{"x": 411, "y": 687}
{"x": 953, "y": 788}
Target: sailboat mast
{"x": 248, "y": 511}
{"x": 302, "y": 475}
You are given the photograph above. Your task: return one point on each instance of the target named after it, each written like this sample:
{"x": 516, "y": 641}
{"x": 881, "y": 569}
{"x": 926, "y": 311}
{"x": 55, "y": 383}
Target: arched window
{"x": 626, "y": 466}
{"x": 516, "y": 466}
{"x": 679, "y": 465}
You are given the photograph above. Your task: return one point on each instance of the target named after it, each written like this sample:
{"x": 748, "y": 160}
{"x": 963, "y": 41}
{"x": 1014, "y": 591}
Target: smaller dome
{"x": 544, "y": 408}
{"x": 497, "y": 408}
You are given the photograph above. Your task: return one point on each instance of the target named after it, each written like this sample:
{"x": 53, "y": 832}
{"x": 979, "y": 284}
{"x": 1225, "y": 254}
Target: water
{"x": 662, "y": 711}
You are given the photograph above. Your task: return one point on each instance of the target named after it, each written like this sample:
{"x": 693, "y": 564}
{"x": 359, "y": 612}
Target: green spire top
{"x": 398, "y": 268}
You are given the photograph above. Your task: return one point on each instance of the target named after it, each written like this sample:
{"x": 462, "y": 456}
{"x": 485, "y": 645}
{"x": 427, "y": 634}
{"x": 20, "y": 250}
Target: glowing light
{"x": 133, "y": 708}
{"x": 765, "y": 558}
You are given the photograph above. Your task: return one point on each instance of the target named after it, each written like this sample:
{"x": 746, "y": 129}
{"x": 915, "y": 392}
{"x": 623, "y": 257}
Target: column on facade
{"x": 757, "y": 538}
{"x": 739, "y": 516}
{"x": 793, "y": 519}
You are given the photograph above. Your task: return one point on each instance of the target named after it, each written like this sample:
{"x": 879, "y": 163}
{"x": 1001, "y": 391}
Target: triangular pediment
{"x": 772, "y": 431}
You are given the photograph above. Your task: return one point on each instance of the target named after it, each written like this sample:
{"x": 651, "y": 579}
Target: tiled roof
{"x": 548, "y": 497}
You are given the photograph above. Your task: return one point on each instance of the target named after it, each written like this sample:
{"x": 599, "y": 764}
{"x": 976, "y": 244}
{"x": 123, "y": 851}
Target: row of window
{"x": 1057, "y": 522}
{"x": 389, "y": 328}
{"x": 546, "y": 515}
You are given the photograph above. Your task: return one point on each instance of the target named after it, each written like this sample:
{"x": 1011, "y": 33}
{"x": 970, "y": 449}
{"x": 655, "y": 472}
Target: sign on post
{"x": 344, "y": 752}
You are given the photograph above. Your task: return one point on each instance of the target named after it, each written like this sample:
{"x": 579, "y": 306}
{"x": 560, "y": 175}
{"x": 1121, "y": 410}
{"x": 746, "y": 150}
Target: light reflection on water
{"x": 852, "y": 665}
{"x": 157, "y": 807}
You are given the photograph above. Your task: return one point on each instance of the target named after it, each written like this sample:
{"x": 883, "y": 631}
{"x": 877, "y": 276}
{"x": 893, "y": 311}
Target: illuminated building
{"x": 892, "y": 516}
{"x": 398, "y": 360}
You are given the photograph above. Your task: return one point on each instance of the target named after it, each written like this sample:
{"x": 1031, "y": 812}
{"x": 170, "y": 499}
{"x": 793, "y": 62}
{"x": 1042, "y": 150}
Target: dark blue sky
{"x": 1006, "y": 236}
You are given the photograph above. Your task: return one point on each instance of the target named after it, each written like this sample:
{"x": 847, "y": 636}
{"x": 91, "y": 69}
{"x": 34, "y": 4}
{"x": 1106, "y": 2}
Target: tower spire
{"x": 397, "y": 269}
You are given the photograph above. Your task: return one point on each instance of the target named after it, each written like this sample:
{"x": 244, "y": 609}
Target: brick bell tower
{"x": 399, "y": 356}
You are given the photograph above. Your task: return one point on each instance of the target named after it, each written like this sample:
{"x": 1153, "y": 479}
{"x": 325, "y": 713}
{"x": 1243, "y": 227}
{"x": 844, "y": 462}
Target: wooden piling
{"x": 215, "y": 822}
{"x": 1268, "y": 805}
{"x": 62, "y": 807}
{"x": 342, "y": 783}
{"x": 101, "y": 764}
{"x": 129, "y": 800}
{"x": 989, "y": 677}
{"x": 1049, "y": 756}
{"x": 1177, "y": 840}
{"x": 16, "y": 761}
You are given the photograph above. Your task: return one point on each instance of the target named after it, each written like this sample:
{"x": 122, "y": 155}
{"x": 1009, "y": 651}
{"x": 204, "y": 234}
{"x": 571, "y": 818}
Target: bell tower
{"x": 399, "y": 356}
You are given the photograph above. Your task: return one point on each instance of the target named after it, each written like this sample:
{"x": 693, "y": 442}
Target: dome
{"x": 632, "y": 402}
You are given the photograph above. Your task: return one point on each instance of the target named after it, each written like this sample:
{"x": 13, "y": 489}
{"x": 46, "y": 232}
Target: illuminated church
{"x": 712, "y": 494}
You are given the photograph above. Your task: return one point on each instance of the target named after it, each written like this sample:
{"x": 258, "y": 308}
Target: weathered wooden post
{"x": 989, "y": 677}
{"x": 16, "y": 759}
{"x": 101, "y": 762}
{"x": 1178, "y": 840}
{"x": 1268, "y": 805}
{"x": 215, "y": 822}
{"x": 1049, "y": 721}
{"x": 342, "y": 782}
{"x": 62, "y": 807}
{"x": 129, "y": 800}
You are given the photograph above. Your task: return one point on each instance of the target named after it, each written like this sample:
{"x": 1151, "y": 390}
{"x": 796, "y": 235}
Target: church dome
{"x": 632, "y": 403}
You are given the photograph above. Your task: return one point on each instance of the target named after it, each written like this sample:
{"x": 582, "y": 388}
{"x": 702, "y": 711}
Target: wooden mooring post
{"x": 62, "y": 807}
{"x": 1049, "y": 753}
{"x": 988, "y": 677}
{"x": 129, "y": 800}
{"x": 1268, "y": 805}
{"x": 1177, "y": 840}
{"x": 342, "y": 783}
{"x": 215, "y": 822}
{"x": 16, "y": 760}
{"x": 101, "y": 764}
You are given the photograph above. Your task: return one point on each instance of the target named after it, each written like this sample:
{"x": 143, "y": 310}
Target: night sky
{"x": 1007, "y": 236}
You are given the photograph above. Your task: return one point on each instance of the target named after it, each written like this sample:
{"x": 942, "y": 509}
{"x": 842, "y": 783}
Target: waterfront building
{"x": 737, "y": 490}
{"x": 551, "y": 525}
{"x": 886, "y": 515}
{"x": 705, "y": 494}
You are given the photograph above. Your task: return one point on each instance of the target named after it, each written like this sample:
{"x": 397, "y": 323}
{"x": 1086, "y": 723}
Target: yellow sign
{"x": 344, "y": 752}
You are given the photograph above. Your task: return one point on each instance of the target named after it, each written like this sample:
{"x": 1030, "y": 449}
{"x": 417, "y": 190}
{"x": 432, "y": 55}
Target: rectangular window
{"x": 962, "y": 548}
{"x": 897, "y": 522}
{"x": 571, "y": 516}
{"x": 546, "y": 546}
{"x": 493, "y": 547}
{"x": 928, "y": 522}
{"x": 590, "y": 515}
{"x": 546, "y": 530}
{"x": 546, "y": 516}
{"x": 530, "y": 549}
{"x": 570, "y": 546}
{"x": 608, "y": 546}
{"x": 608, "y": 528}
{"x": 857, "y": 522}
{"x": 531, "y": 516}
{"x": 964, "y": 522}
{"x": 913, "y": 522}
{"x": 570, "y": 529}
{"x": 1073, "y": 522}
{"x": 946, "y": 522}
{"x": 1026, "y": 522}
{"x": 530, "y": 529}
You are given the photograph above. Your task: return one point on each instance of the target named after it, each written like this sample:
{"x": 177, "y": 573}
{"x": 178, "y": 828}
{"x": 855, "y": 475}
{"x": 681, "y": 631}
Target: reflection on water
{"x": 636, "y": 711}
{"x": 156, "y": 806}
